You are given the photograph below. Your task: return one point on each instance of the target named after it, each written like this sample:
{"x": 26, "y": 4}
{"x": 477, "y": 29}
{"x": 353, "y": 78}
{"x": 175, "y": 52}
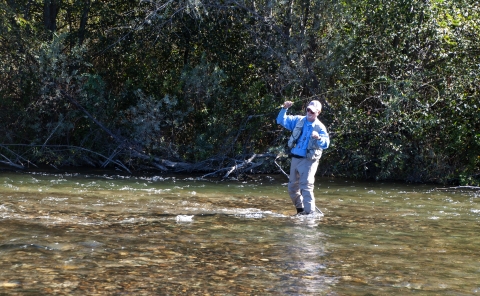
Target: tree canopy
{"x": 196, "y": 85}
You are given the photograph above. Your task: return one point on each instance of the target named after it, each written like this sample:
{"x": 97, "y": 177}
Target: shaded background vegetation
{"x": 131, "y": 84}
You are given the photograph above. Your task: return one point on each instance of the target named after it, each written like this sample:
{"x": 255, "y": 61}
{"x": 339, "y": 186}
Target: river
{"x": 103, "y": 233}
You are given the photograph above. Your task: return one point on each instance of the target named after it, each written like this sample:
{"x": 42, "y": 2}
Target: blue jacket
{"x": 303, "y": 144}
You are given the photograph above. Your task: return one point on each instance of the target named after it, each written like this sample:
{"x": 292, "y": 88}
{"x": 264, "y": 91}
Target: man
{"x": 309, "y": 138}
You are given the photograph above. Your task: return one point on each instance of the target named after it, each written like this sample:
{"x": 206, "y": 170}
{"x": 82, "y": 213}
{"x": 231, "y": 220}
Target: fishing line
{"x": 369, "y": 83}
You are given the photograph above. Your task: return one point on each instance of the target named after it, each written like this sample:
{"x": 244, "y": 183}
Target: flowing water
{"x": 107, "y": 234}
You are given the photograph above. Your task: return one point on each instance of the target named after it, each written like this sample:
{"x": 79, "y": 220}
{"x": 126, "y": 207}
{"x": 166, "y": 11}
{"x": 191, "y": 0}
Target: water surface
{"x": 108, "y": 234}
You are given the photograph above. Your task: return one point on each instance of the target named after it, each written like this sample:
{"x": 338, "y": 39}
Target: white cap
{"x": 315, "y": 106}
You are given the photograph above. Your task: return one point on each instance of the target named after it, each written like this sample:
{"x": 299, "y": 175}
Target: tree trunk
{"x": 83, "y": 22}
{"x": 50, "y": 12}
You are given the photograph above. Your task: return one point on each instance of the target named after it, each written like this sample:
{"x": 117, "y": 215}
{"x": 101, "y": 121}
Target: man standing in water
{"x": 309, "y": 138}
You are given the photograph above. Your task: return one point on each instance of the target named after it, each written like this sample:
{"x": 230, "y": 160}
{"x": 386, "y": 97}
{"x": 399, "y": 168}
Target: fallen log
{"x": 244, "y": 166}
{"x": 131, "y": 152}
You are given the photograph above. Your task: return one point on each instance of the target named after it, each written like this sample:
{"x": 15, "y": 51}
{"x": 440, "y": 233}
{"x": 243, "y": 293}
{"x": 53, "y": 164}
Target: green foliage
{"x": 194, "y": 80}
{"x": 18, "y": 80}
{"x": 149, "y": 121}
{"x": 50, "y": 111}
{"x": 403, "y": 88}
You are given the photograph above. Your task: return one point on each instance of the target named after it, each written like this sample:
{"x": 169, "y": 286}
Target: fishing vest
{"x": 314, "y": 152}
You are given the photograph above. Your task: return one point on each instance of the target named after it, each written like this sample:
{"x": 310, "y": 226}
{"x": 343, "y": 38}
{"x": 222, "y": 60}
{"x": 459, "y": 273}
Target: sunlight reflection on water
{"x": 164, "y": 235}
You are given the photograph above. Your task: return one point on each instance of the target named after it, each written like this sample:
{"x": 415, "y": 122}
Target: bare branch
{"x": 10, "y": 163}
{"x": 18, "y": 156}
